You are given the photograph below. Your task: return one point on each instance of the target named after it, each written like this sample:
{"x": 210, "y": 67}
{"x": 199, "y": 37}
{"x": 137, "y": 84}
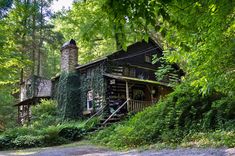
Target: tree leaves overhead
{"x": 24, "y": 34}
{"x": 198, "y": 35}
{"x": 5, "y": 5}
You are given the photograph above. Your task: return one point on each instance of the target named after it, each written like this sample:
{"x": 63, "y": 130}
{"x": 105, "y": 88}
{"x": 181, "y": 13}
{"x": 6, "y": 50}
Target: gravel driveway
{"x": 95, "y": 151}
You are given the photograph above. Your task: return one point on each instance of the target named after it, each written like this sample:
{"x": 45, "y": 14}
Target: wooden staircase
{"x": 115, "y": 119}
{"x": 133, "y": 106}
{"x": 107, "y": 120}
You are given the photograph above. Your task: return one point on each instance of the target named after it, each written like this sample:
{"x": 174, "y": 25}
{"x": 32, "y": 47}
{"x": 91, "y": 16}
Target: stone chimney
{"x": 69, "y": 56}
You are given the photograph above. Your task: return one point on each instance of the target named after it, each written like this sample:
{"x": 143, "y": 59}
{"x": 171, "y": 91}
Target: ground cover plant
{"x": 45, "y": 129}
{"x": 181, "y": 118}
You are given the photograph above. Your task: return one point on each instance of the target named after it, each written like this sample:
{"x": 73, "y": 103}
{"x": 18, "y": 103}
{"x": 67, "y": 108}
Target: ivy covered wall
{"x": 68, "y": 96}
{"x": 91, "y": 79}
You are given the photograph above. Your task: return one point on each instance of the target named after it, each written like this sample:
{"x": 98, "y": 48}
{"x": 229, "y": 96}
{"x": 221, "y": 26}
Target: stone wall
{"x": 69, "y": 56}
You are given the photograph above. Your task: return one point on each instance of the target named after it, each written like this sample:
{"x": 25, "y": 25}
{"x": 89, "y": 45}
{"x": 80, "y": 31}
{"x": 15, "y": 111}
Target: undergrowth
{"x": 45, "y": 129}
{"x": 183, "y": 116}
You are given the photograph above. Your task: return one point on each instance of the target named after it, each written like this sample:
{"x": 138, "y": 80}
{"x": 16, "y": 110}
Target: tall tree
{"x": 198, "y": 35}
{"x": 25, "y": 32}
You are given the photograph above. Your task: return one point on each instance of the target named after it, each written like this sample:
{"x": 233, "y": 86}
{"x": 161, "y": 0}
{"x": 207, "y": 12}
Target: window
{"x": 132, "y": 72}
{"x": 90, "y": 100}
{"x": 126, "y": 71}
{"x": 138, "y": 94}
{"x": 148, "y": 58}
{"x": 129, "y": 72}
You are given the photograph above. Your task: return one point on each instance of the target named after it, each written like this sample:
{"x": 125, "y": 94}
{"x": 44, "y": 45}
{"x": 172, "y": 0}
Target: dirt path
{"x": 85, "y": 150}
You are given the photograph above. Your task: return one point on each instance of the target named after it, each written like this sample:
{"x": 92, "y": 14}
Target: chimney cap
{"x": 72, "y": 42}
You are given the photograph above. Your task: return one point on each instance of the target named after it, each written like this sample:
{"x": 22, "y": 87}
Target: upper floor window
{"x": 132, "y": 72}
{"x": 148, "y": 58}
{"x": 129, "y": 72}
{"x": 126, "y": 71}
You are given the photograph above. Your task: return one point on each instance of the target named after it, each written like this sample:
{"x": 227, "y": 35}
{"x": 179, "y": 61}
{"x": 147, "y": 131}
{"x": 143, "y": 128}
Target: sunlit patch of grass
{"x": 210, "y": 139}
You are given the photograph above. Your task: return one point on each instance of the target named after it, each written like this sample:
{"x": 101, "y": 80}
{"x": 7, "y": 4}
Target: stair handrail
{"x": 102, "y": 108}
{"x": 116, "y": 111}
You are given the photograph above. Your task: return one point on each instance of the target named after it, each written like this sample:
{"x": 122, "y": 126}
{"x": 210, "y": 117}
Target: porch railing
{"x": 116, "y": 111}
{"x": 96, "y": 114}
{"x": 137, "y": 106}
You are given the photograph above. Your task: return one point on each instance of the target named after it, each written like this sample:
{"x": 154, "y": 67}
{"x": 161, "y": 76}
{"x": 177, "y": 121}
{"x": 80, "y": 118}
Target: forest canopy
{"x": 197, "y": 35}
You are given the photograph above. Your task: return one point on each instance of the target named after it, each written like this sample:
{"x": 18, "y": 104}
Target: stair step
{"x": 111, "y": 119}
{"x": 116, "y": 115}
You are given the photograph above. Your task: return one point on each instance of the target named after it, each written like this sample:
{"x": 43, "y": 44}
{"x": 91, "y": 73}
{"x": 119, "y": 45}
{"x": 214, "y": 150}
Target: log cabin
{"x": 122, "y": 82}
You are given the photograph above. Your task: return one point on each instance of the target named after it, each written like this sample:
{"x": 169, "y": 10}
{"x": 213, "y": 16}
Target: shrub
{"x": 20, "y": 131}
{"x": 44, "y": 114}
{"x": 27, "y": 141}
{"x": 71, "y": 133}
{"x": 51, "y": 136}
{"x": 182, "y": 112}
{"x": 91, "y": 124}
{"x": 5, "y": 142}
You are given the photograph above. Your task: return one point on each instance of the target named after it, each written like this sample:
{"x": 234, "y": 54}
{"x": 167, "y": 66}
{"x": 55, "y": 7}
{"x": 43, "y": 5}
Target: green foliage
{"x": 11, "y": 137}
{"x": 45, "y": 108}
{"x": 7, "y": 111}
{"x": 68, "y": 96}
{"x": 5, "y": 5}
{"x": 45, "y": 135}
{"x": 5, "y": 142}
{"x": 51, "y": 136}
{"x": 92, "y": 79}
{"x": 27, "y": 141}
{"x": 45, "y": 114}
{"x": 197, "y": 35}
{"x": 182, "y": 113}
{"x": 91, "y": 123}
{"x": 218, "y": 138}
{"x": 71, "y": 133}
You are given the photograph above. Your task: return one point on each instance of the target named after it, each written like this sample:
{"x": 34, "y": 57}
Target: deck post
{"x": 150, "y": 88}
{"x": 18, "y": 114}
{"x": 127, "y": 95}
{"x": 28, "y": 113}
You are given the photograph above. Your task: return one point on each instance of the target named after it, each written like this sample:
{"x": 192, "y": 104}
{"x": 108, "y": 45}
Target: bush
{"x": 46, "y": 107}
{"x": 9, "y": 138}
{"x": 27, "y": 141}
{"x": 44, "y": 114}
{"x": 51, "y": 136}
{"x": 45, "y": 129}
{"x": 71, "y": 133}
{"x": 181, "y": 113}
{"x": 91, "y": 124}
{"x": 20, "y": 131}
{"x": 5, "y": 142}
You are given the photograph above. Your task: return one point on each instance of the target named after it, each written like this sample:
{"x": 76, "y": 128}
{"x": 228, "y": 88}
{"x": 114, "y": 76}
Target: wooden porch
{"x": 138, "y": 93}
{"x": 137, "y": 105}
{"x": 129, "y": 95}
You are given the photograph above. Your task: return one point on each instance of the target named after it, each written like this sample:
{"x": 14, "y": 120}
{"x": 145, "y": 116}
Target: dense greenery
{"x": 45, "y": 129}
{"x": 197, "y": 35}
{"x": 175, "y": 119}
